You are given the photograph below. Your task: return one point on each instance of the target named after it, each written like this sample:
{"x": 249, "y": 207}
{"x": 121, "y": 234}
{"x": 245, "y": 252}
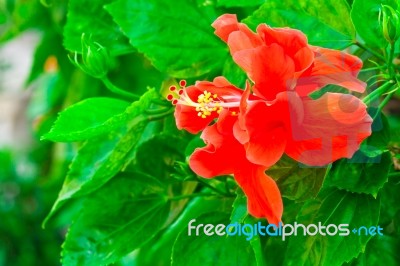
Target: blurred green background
{"x": 31, "y": 172}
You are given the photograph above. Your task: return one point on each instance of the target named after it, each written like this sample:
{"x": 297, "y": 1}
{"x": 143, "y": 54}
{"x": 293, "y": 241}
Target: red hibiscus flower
{"x": 275, "y": 115}
{"x": 285, "y": 70}
{"x": 198, "y": 105}
{"x": 225, "y": 155}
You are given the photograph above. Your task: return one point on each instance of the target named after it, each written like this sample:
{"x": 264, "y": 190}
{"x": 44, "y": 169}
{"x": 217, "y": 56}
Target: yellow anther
{"x": 207, "y": 105}
{"x": 233, "y": 113}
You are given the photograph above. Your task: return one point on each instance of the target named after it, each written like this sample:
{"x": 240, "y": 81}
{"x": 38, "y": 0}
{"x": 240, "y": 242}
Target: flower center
{"x": 206, "y": 103}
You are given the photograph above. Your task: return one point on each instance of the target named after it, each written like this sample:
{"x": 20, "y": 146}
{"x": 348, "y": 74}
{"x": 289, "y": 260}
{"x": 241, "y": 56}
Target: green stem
{"x": 383, "y": 103}
{"x": 390, "y": 61}
{"x": 160, "y": 115}
{"x": 157, "y": 111}
{"x": 161, "y": 102}
{"x": 394, "y": 174}
{"x": 124, "y": 51}
{"x": 345, "y": 46}
{"x": 386, "y": 100}
{"x": 117, "y": 90}
{"x": 377, "y": 93}
{"x": 211, "y": 187}
{"x": 189, "y": 196}
{"x": 371, "y": 68}
{"x": 227, "y": 186}
{"x": 362, "y": 46}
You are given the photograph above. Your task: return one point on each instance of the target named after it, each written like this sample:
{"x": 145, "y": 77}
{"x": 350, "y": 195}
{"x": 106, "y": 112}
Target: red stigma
{"x": 174, "y": 102}
{"x": 182, "y": 83}
{"x": 172, "y": 88}
{"x": 180, "y": 92}
{"x": 170, "y": 97}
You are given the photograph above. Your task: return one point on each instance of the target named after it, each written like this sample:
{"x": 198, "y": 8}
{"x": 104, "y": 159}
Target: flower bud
{"x": 95, "y": 59}
{"x": 390, "y": 22}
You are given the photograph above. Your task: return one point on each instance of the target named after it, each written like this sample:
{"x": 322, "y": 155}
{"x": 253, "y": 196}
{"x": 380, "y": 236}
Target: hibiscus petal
{"x": 333, "y": 127}
{"x": 293, "y": 42}
{"x": 269, "y": 67}
{"x": 220, "y": 86}
{"x": 267, "y": 124}
{"x": 331, "y": 67}
{"x": 263, "y": 195}
{"x": 209, "y": 161}
{"x": 222, "y": 153}
{"x": 225, "y": 25}
{"x": 239, "y": 128}
{"x": 187, "y": 117}
{"x": 267, "y": 148}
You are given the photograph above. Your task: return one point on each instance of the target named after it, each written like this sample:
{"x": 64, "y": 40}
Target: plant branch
{"x": 362, "y": 46}
{"x": 211, "y": 187}
{"x": 189, "y": 196}
{"x": 111, "y": 87}
{"x": 378, "y": 92}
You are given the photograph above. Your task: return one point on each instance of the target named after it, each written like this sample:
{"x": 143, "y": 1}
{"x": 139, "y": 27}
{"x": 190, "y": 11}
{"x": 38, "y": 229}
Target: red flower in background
{"x": 253, "y": 130}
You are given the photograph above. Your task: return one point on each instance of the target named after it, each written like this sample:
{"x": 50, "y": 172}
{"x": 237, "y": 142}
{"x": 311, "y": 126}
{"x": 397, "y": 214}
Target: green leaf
{"x": 390, "y": 198}
{"x": 396, "y": 223}
{"x": 274, "y": 244}
{"x": 85, "y": 119}
{"x": 234, "y": 73}
{"x": 309, "y": 17}
{"x": 297, "y": 182}
{"x": 336, "y": 207}
{"x": 176, "y": 36}
{"x": 166, "y": 149}
{"x": 382, "y": 250}
{"x": 381, "y": 134}
{"x": 239, "y": 3}
{"x": 365, "y": 17}
{"x": 196, "y": 142}
{"x": 361, "y": 173}
{"x": 240, "y": 215}
{"x": 207, "y": 250}
{"x": 90, "y": 18}
{"x": 159, "y": 253}
{"x": 334, "y": 13}
{"x": 239, "y": 212}
{"x": 102, "y": 157}
{"x": 367, "y": 171}
{"x": 394, "y": 122}
{"x": 118, "y": 218}
{"x": 276, "y": 248}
